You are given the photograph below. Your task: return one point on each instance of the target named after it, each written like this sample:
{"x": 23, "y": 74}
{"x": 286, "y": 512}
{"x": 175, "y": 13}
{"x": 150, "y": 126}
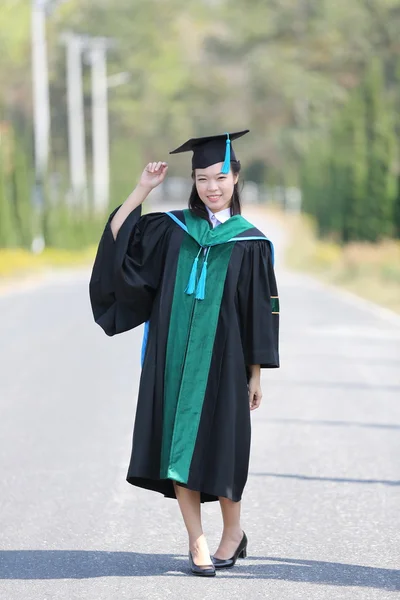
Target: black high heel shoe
{"x": 241, "y": 552}
{"x": 201, "y": 570}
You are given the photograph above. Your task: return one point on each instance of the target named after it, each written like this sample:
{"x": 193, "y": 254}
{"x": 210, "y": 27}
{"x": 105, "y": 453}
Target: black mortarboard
{"x": 212, "y": 149}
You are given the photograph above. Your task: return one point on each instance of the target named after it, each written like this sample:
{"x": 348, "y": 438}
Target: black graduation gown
{"x": 133, "y": 281}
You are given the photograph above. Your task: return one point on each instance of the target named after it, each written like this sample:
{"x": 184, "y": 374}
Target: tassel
{"x": 192, "y": 279}
{"x": 227, "y": 163}
{"x": 201, "y": 286}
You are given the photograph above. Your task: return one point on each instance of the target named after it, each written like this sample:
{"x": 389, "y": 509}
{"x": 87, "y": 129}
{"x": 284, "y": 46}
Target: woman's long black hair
{"x": 198, "y": 207}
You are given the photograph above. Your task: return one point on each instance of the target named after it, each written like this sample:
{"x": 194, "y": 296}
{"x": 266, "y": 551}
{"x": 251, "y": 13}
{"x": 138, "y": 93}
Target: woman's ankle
{"x": 233, "y": 532}
{"x": 197, "y": 542}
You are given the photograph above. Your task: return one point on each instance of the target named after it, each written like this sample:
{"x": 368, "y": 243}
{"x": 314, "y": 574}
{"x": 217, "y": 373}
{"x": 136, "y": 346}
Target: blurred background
{"x": 92, "y": 91}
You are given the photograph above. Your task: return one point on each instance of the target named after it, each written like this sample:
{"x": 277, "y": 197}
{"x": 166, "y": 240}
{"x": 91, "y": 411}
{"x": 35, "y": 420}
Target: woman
{"x": 203, "y": 282}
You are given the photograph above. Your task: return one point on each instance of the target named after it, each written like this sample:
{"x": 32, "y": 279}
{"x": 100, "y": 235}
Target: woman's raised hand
{"x": 153, "y": 174}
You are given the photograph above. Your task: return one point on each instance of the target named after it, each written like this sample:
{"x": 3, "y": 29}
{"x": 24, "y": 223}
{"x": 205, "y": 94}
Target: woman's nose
{"x": 212, "y": 186}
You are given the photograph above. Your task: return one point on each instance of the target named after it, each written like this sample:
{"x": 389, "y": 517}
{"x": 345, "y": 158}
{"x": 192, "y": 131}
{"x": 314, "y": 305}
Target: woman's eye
{"x": 221, "y": 178}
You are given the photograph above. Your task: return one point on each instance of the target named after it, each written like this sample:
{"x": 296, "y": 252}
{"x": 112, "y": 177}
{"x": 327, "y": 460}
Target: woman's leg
{"x": 232, "y": 533}
{"x": 189, "y": 503}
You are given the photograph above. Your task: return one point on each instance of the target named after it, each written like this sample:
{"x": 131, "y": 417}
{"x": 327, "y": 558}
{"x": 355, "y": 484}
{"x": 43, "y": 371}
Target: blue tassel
{"x": 192, "y": 279}
{"x": 201, "y": 286}
{"x": 227, "y": 163}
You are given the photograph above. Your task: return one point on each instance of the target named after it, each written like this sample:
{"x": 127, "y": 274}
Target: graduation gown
{"x": 192, "y": 421}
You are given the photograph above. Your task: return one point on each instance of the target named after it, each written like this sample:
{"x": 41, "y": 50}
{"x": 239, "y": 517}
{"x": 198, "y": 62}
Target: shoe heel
{"x": 243, "y": 553}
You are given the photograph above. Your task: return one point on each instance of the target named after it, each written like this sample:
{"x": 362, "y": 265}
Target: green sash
{"x": 191, "y": 336}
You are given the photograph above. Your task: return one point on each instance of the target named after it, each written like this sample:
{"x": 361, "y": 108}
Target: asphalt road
{"x": 322, "y": 504}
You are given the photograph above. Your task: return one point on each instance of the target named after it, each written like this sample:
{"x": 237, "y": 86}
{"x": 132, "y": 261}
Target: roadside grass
{"x": 18, "y": 263}
{"x": 371, "y": 271}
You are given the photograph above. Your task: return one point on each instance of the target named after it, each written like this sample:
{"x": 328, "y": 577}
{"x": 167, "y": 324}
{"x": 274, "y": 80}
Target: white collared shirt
{"x": 219, "y": 217}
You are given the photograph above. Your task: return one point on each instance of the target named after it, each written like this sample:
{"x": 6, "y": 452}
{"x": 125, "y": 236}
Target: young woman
{"x": 203, "y": 281}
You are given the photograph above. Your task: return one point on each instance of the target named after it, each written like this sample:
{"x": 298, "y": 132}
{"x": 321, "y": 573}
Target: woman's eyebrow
{"x": 218, "y": 174}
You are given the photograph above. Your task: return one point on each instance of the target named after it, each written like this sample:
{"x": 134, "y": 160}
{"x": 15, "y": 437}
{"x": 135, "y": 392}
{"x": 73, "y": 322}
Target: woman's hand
{"x": 153, "y": 174}
{"x": 255, "y": 393}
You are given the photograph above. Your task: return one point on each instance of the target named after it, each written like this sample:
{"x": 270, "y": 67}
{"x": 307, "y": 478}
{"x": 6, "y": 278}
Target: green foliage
{"x": 357, "y": 200}
{"x": 7, "y": 236}
{"x": 396, "y": 210}
{"x": 21, "y": 190}
{"x": 318, "y": 84}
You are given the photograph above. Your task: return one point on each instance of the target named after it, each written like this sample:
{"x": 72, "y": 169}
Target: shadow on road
{"x": 79, "y": 564}
{"x": 390, "y": 482}
{"x": 346, "y": 385}
{"x": 335, "y": 423}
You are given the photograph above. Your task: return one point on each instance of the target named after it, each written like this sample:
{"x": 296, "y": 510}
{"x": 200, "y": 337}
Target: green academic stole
{"x": 192, "y": 329}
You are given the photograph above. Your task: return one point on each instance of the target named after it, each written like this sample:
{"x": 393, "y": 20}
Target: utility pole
{"x": 41, "y": 101}
{"x": 75, "y": 44}
{"x": 97, "y": 55}
{"x": 41, "y": 109}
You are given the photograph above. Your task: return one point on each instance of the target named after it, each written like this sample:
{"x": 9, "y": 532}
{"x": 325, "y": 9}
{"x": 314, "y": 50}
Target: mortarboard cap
{"x": 212, "y": 149}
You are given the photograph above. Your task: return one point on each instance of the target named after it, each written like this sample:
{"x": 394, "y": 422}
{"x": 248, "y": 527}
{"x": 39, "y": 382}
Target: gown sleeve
{"x": 127, "y": 272}
{"x": 259, "y": 306}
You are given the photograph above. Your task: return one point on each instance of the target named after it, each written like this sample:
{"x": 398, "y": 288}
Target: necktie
{"x": 214, "y": 221}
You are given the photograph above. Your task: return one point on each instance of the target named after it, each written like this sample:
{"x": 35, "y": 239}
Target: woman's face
{"x": 215, "y": 188}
